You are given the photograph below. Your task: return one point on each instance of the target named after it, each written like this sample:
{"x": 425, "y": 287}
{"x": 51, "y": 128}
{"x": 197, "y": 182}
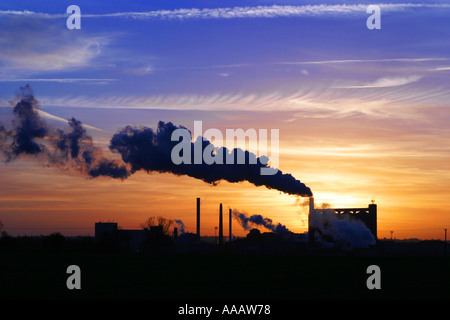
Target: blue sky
{"x": 184, "y": 62}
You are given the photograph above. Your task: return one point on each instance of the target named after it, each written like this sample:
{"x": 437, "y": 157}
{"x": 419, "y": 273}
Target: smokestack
{"x": 230, "y": 225}
{"x": 372, "y": 219}
{"x": 198, "y": 217}
{"x": 175, "y": 233}
{"x": 220, "y": 226}
{"x": 311, "y": 211}
{"x": 445, "y": 243}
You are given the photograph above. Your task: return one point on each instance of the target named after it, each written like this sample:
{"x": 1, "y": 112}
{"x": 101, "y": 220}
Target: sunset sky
{"x": 362, "y": 114}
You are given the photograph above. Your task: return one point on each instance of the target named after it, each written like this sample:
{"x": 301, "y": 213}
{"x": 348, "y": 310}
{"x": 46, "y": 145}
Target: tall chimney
{"x": 372, "y": 219}
{"x": 220, "y": 226}
{"x": 230, "y": 226}
{"x": 311, "y": 212}
{"x": 311, "y": 205}
{"x": 198, "y": 217}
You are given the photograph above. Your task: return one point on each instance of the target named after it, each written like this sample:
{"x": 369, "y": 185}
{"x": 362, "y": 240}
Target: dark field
{"x": 191, "y": 276}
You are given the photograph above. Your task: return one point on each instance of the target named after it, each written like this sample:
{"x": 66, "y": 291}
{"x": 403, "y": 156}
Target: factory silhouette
{"x": 154, "y": 238}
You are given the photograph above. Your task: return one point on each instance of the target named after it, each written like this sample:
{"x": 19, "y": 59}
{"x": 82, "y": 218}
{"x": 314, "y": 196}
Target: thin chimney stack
{"x": 231, "y": 236}
{"x": 198, "y": 217}
{"x": 220, "y": 226}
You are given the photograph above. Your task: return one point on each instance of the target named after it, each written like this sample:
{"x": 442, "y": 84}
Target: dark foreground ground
{"x": 207, "y": 276}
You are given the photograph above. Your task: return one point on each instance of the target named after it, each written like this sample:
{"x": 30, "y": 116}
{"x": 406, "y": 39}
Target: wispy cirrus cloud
{"x": 73, "y": 54}
{"x": 349, "y": 61}
{"x": 35, "y": 45}
{"x": 330, "y": 62}
{"x": 273, "y": 11}
{"x": 441, "y": 69}
{"x": 59, "y": 80}
{"x": 385, "y": 82}
{"x": 309, "y": 102}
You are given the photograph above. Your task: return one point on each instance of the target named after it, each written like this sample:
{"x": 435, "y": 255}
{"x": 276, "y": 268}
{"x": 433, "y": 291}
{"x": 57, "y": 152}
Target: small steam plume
{"x": 181, "y": 225}
{"x": 340, "y": 231}
{"x": 302, "y": 202}
{"x": 247, "y": 222}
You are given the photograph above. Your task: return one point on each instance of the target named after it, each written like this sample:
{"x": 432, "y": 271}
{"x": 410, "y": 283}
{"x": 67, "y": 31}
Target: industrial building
{"x": 134, "y": 240}
{"x": 151, "y": 239}
{"x": 366, "y": 215}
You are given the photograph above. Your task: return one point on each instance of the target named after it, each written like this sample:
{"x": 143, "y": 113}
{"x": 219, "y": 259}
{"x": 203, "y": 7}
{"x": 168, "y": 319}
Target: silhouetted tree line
{"x": 52, "y": 242}
{"x": 108, "y": 242}
{"x": 156, "y": 235}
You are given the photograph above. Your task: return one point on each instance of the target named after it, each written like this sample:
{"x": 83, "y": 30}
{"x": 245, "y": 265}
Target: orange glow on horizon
{"x": 411, "y": 195}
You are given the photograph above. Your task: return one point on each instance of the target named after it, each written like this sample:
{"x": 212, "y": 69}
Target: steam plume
{"x": 28, "y": 126}
{"x": 145, "y": 149}
{"x": 182, "y": 227}
{"x": 343, "y": 231}
{"x": 248, "y": 222}
{"x": 140, "y": 148}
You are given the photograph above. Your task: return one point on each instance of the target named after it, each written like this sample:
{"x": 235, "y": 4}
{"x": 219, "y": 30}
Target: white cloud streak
{"x": 365, "y": 61}
{"x": 49, "y": 116}
{"x": 273, "y": 11}
{"x": 385, "y": 82}
{"x": 59, "y": 80}
{"x": 441, "y": 69}
{"x": 313, "y": 102}
{"x": 45, "y": 47}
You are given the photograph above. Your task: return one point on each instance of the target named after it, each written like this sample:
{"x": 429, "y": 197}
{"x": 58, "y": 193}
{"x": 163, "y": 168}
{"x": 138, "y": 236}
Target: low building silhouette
{"x": 109, "y": 234}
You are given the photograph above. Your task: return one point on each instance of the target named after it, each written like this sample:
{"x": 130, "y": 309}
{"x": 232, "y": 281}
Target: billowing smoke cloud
{"x": 181, "y": 226}
{"x": 72, "y": 149}
{"x": 340, "y": 231}
{"x": 140, "y": 148}
{"x": 145, "y": 149}
{"x": 248, "y": 222}
{"x": 28, "y": 126}
{"x": 108, "y": 168}
{"x": 69, "y": 143}
{"x": 3, "y": 134}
